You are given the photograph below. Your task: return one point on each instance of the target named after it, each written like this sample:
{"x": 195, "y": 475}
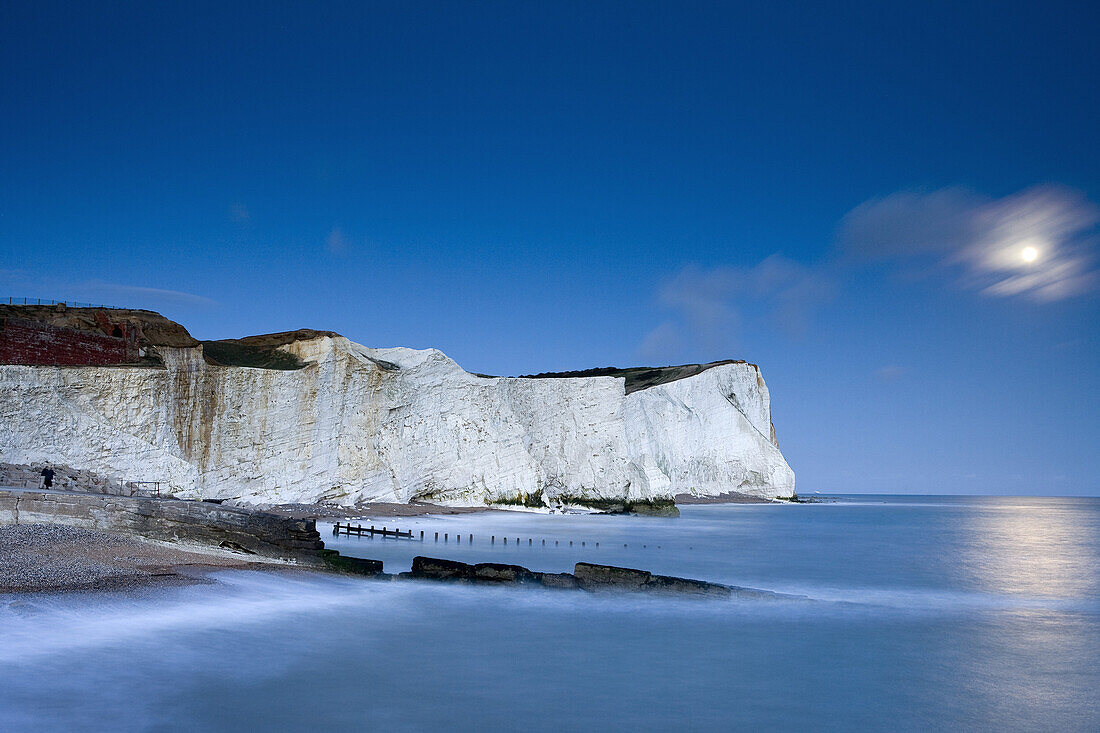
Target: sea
{"x": 905, "y": 613}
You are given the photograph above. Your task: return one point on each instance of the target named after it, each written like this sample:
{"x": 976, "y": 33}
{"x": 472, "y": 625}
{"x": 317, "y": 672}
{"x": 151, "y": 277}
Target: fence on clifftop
{"x": 66, "y": 303}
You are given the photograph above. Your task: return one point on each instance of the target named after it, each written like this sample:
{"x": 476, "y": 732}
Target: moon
{"x": 1029, "y": 254}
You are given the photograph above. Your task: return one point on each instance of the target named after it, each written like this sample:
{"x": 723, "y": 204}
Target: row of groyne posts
{"x": 347, "y": 528}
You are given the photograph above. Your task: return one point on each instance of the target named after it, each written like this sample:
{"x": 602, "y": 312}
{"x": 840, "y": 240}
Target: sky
{"x": 892, "y": 208}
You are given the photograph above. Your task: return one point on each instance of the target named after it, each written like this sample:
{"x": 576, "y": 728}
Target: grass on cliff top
{"x": 637, "y": 378}
{"x": 236, "y": 354}
{"x": 260, "y": 352}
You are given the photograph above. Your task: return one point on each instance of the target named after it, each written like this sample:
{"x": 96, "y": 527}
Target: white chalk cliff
{"x": 359, "y": 424}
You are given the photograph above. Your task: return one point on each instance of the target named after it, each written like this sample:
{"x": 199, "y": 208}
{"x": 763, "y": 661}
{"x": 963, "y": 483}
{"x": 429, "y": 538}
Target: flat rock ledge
{"x": 585, "y": 576}
{"x": 245, "y": 533}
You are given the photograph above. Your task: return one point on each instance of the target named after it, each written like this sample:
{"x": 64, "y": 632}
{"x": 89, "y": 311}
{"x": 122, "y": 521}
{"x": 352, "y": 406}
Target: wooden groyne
{"x": 359, "y": 530}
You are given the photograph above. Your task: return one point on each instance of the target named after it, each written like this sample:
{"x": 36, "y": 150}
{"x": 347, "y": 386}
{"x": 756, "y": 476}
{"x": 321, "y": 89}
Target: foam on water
{"x": 918, "y": 617}
{"x": 47, "y": 624}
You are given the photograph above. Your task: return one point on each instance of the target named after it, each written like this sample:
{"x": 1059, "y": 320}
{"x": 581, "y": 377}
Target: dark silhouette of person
{"x": 47, "y": 477}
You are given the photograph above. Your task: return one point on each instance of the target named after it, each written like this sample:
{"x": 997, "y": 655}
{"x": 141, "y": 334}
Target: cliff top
{"x": 156, "y": 330}
{"x": 638, "y": 378}
{"x": 262, "y": 351}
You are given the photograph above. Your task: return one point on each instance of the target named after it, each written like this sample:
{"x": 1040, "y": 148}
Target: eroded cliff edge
{"x": 328, "y": 420}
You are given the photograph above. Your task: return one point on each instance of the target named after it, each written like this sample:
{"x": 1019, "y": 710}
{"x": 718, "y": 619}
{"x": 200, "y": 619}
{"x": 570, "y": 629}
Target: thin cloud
{"x": 889, "y": 373}
{"x": 239, "y": 213}
{"x": 336, "y": 243}
{"x": 1038, "y": 243}
{"x": 663, "y": 342}
{"x": 155, "y": 294}
{"x": 708, "y": 306}
{"x": 30, "y": 284}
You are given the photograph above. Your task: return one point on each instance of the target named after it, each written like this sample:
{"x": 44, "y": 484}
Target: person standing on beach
{"x": 47, "y": 477}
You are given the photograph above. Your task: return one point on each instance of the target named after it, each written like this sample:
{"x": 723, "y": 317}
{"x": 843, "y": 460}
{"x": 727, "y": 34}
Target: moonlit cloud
{"x": 1039, "y": 243}
{"x": 707, "y": 306}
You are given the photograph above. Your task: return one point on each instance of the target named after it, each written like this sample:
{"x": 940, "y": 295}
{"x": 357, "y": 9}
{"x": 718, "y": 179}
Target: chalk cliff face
{"x": 359, "y": 424}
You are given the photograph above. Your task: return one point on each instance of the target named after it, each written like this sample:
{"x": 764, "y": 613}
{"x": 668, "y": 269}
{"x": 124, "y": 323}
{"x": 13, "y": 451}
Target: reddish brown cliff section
{"x": 55, "y": 335}
{"x": 34, "y": 343}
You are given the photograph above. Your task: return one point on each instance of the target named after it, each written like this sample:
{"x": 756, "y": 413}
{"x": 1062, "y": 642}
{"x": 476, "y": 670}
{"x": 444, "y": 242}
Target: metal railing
{"x": 143, "y": 488}
{"x": 66, "y": 303}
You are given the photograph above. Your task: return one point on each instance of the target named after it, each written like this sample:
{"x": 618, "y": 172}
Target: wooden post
{"x": 544, "y": 543}
{"x": 493, "y": 540}
{"x": 471, "y": 539}
{"x": 555, "y": 543}
{"x": 582, "y": 544}
{"x": 570, "y": 543}
{"x": 528, "y": 541}
{"x": 437, "y": 536}
{"x": 506, "y": 540}
{"x": 444, "y": 536}
{"x": 421, "y": 535}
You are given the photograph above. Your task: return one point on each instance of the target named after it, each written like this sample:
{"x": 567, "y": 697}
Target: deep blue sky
{"x": 528, "y": 186}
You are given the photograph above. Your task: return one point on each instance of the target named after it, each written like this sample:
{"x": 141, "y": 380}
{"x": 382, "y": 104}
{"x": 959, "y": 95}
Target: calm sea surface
{"x": 920, "y": 613}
